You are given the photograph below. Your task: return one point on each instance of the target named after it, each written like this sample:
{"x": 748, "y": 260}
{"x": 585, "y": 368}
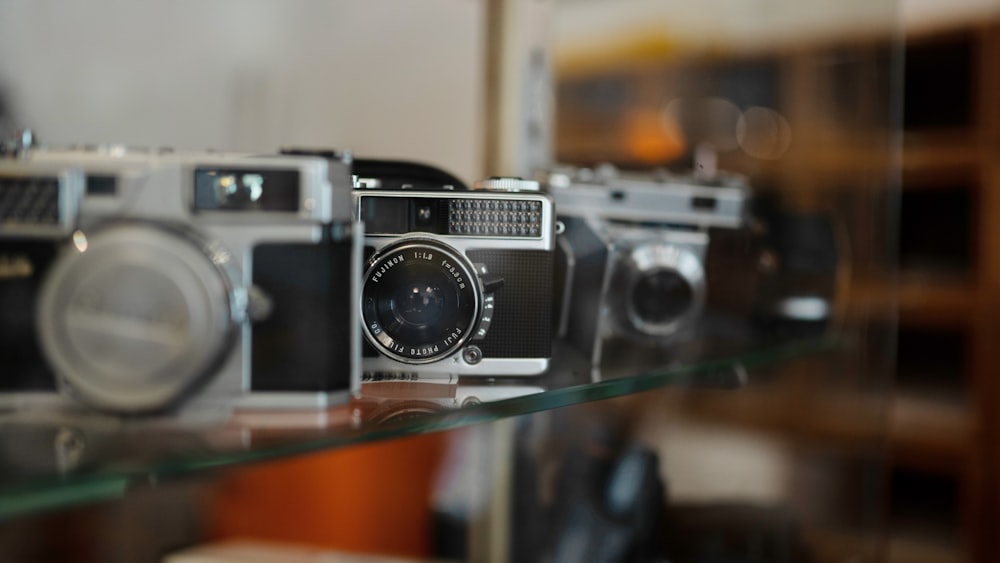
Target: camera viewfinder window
{"x": 246, "y": 190}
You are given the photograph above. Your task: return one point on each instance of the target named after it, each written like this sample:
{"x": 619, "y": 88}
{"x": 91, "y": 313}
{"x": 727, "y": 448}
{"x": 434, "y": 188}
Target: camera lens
{"x": 140, "y": 318}
{"x": 661, "y": 297}
{"x": 420, "y": 301}
{"x": 659, "y": 290}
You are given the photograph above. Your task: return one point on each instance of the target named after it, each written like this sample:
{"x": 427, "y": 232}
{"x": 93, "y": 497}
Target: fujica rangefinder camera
{"x": 649, "y": 263}
{"x": 145, "y": 281}
{"x": 458, "y": 281}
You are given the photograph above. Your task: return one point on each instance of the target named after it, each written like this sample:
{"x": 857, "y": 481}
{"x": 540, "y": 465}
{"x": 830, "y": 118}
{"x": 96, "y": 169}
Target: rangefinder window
{"x": 218, "y": 189}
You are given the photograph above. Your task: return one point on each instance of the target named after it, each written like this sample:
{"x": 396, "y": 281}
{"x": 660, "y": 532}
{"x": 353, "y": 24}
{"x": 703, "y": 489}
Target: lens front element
{"x": 419, "y": 304}
{"x": 420, "y": 301}
{"x": 661, "y": 296}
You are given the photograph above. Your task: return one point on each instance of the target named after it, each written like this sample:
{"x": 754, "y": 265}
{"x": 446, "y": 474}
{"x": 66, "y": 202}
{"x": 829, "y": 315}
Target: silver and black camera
{"x": 458, "y": 281}
{"x": 146, "y": 281}
{"x": 645, "y": 260}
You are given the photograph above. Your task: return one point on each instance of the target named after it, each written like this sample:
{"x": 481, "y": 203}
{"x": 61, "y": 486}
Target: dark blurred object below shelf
{"x": 585, "y": 491}
{"x": 609, "y": 508}
{"x": 733, "y": 533}
{"x": 607, "y": 496}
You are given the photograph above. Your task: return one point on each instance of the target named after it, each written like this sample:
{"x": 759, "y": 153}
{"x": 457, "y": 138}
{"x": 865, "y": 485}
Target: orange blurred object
{"x": 651, "y": 139}
{"x": 373, "y": 498}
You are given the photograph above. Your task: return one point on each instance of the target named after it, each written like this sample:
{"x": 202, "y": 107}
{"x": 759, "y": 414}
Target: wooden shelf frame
{"x": 960, "y": 438}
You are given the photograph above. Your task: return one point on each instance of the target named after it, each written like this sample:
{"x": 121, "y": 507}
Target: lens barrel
{"x": 420, "y": 300}
{"x": 135, "y": 314}
{"x": 660, "y": 290}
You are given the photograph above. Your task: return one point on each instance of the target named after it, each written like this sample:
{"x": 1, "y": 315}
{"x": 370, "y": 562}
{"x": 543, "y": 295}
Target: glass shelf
{"x": 47, "y": 464}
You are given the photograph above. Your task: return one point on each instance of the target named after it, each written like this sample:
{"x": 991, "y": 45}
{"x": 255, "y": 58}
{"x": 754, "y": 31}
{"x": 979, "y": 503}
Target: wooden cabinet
{"x": 925, "y": 109}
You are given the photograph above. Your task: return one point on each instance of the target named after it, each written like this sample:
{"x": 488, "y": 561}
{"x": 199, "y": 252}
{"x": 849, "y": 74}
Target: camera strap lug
{"x": 259, "y": 304}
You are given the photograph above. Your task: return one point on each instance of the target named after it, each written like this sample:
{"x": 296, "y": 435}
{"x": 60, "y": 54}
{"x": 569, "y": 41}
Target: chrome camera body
{"x": 458, "y": 281}
{"x": 159, "y": 281}
{"x": 642, "y": 261}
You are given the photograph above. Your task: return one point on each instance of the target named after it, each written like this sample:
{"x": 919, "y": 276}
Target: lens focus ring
{"x": 420, "y": 301}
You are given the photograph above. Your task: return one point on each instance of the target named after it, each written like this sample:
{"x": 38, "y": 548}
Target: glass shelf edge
{"x": 26, "y": 498}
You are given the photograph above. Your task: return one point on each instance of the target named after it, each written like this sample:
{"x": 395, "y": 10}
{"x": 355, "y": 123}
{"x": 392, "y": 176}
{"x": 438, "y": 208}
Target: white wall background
{"x": 394, "y": 78}
{"x": 399, "y": 78}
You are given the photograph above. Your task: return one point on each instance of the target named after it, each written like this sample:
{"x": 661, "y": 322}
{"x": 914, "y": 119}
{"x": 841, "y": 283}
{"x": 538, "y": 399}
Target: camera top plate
{"x": 680, "y": 200}
{"x": 175, "y": 184}
{"x": 467, "y": 219}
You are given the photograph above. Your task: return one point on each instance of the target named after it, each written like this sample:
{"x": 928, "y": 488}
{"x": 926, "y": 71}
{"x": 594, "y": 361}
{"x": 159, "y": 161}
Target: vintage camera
{"x": 458, "y": 281}
{"x": 145, "y": 281}
{"x": 651, "y": 267}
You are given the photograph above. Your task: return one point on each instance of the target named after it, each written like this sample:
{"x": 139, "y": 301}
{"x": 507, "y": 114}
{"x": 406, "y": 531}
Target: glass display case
{"x": 678, "y": 336}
